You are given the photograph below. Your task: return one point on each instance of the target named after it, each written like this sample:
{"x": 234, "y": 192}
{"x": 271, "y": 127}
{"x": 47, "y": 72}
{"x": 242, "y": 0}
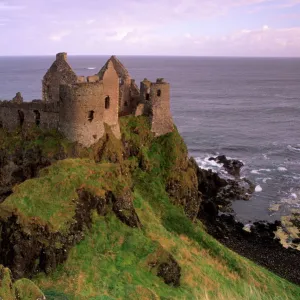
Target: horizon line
{"x": 154, "y": 55}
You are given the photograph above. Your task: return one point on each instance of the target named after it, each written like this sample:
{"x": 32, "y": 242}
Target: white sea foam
{"x": 258, "y": 172}
{"x": 294, "y": 195}
{"x": 282, "y": 169}
{"x": 266, "y": 179}
{"x": 265, "y": 170}
{"x": 206, "y": 164}
{"x": 294, "y": 149}
{"x": 258, "y": 189}
{"x": 255, "y": 172}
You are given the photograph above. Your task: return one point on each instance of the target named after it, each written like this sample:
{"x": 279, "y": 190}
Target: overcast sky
{"x": 151, "y": 27}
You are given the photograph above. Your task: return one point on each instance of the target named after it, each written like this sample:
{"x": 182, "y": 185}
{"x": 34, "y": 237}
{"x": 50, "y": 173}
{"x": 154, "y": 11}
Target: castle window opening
{"x": 37, "y": 117}
{"x": 91, "y": 115}
{"x": 1, "y": 124}
{"x": 147, "y": 96}
{"x": 126, "y": 103}
{"x": 107, "y": 102}
{"x": 158, "y": 93}
{"x": 21, "y": 117}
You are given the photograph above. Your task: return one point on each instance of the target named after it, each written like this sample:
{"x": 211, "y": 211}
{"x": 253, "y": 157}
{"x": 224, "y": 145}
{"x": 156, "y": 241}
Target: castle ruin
{"x": 80, "y": 106}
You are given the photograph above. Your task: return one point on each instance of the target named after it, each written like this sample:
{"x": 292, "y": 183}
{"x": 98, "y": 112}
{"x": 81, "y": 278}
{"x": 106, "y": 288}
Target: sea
{"x": 245, "y": 108}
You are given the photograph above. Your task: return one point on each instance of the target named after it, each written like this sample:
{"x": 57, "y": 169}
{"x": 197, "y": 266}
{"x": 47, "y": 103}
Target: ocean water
{"x": 245, "y": 108}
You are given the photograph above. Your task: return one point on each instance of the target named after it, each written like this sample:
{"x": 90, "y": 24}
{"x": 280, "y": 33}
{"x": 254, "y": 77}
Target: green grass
{"x": 112, "y": 262}
{"x": 51, "y": 199}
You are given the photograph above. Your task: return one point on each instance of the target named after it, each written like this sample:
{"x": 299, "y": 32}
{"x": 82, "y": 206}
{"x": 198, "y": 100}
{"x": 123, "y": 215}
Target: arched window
{"x": 107, "y": 102}
{"x": 37, "y": 117}
{"x": 21, "y": 117}
{"x": 158, "y": 93}
{"x": 147, "y": 96}
{"x": 126, "y": 103}
{"x": 91, "y": 115}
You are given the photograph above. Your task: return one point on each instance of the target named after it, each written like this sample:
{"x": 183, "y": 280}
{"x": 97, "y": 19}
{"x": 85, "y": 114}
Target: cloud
{"x": 6, "y": 7}
{"x": 91, "y": 21}
{"x": 60, "y": 35}
{"x": 187, "y": 27}
{"x": 260, "y": 42}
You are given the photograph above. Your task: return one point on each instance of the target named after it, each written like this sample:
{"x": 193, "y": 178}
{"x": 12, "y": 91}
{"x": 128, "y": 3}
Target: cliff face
{"x": 31, "y": 231}
{"x": 117, "y": 219}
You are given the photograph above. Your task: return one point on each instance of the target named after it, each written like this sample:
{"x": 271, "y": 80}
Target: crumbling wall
{"x": 161, "y": 118}
{"x": 59, "y": 73}
{"x": 127, "y": 89}
{"x": 27, "y": 114}
{"x": 82, "y": 112}
{"x": 110, "y": 98}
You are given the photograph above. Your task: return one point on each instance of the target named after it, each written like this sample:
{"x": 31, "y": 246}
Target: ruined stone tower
{"x": 86, "y": 105}
{"x": 59, "y": 73}
{"x": 155, "y": 102}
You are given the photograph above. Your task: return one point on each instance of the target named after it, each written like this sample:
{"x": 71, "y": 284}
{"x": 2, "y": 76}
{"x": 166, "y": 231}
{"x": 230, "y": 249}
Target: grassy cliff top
{"x": 115, "y": 261}
{"x": 51, "y": 198}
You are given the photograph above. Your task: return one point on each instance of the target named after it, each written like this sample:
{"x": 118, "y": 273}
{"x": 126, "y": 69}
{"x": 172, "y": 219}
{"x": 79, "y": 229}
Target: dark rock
{"x": 232, "y": 166}
{"x": 220, "y": 191}
{"x": 188, "y": 197}
{"x": 33, "y": 248}
{"x": 4, "y": 193}
{"x": 164, "y": 265}
{"x": 296, "y": 241}
{"x": 124, "y": 210}
{"x": 170, "y": 271}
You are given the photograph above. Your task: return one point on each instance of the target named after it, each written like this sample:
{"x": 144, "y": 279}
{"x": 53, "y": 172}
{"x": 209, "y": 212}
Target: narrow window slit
{"x": 37, "y": 117}
{"x": 107, "y": 102}
{"x": 91, "y": 115}
{"x": 21, "y": 117}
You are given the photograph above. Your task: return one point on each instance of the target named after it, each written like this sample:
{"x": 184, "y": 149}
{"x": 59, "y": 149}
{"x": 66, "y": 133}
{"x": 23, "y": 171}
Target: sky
{"x": 156, "y": 27}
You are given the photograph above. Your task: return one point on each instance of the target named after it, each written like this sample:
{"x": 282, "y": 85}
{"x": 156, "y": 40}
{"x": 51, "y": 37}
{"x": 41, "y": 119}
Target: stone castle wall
{"x": 27, "y": 114}
{"x": 81, "y": 112}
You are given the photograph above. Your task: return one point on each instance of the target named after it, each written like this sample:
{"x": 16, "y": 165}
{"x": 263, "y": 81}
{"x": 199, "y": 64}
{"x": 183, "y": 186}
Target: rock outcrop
{"x": 22, "y": 289}
{"x": 232, "y": 166}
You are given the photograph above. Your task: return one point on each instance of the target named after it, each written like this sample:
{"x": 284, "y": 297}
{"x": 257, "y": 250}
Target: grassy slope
{"x": 112, "y": 261}
{"x": 22, "y": 289}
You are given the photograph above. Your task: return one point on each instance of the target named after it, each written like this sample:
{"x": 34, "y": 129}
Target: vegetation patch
{"x": 144, "y": 182}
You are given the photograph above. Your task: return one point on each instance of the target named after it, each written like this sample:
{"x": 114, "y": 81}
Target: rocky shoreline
{"x": 256, "y": 242}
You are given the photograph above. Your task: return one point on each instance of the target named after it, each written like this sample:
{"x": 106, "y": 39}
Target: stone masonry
{"x": 80, "y": 107}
